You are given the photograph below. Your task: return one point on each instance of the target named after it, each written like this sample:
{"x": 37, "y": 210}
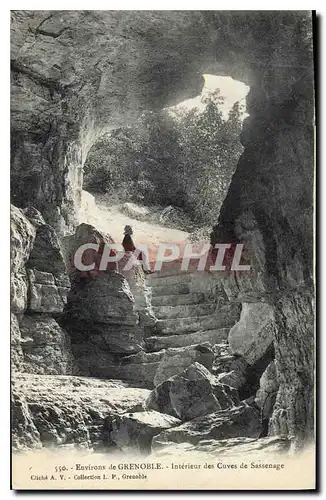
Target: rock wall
{"x": 39, "y": 288}
{"x": 269, "y": 207}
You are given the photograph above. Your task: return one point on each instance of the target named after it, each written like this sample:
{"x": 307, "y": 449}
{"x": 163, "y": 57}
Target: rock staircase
{"x": 186, "y": 316}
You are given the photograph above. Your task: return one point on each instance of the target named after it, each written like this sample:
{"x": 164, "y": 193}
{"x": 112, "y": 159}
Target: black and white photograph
{"x": 162, "y": 249}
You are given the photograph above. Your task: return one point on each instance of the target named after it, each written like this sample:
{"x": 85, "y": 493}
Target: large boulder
{"x": 176, "y": 360}
{"x": 192, "y": 393}
{"x": 238, "y": 421}
{"x": 100, "y": 305}
{"x": 133, "y": 432}
{"x": 103, "y": 299}
{"x": 102, "y": 314}
{"x": 86, "y": 234}
{"x": 253, "y": 333}
{"x": 100, "y": 311}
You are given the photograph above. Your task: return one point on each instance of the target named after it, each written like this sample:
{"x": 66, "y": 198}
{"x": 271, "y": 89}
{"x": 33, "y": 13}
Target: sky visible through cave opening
{"x": 231, "y": 90}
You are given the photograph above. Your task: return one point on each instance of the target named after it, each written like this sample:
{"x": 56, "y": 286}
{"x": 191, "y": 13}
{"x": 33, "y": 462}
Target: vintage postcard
{"x": 162, "y": 250}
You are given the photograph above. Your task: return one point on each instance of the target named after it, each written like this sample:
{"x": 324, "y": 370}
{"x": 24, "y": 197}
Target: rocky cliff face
{"x": 39, "y": 289}
{"x": 269, "y": 206}
{"x": 77, "y": 73}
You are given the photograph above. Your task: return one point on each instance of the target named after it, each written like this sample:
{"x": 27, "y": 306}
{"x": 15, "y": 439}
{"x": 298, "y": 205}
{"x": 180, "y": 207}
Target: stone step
{"x": 225, "y": 316}
{"x": 154, "y": 280}
{"x": 174, "y": 289}
{"x": 177, "y": 326}
{"x": 183, "y": 310}
{"x": 178, "y": 300}
{"x": 213, "y": 336}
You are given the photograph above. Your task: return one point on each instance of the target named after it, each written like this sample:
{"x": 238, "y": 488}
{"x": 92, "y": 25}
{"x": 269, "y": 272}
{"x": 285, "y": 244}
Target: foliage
{"x": 185, "y": 159}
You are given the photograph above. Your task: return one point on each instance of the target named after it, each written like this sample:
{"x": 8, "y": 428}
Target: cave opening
{"x": 171, "y": 167}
